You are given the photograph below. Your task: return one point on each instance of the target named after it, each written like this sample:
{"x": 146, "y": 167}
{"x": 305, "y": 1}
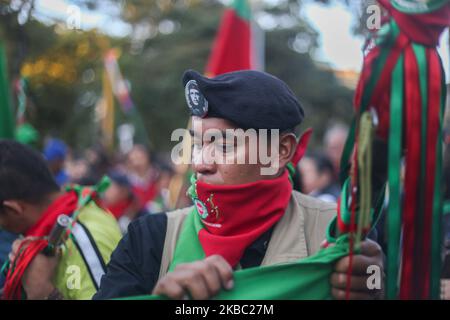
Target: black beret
{"x": 250, "y": 99}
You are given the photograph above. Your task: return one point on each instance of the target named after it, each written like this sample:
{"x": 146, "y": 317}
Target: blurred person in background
{"x": 30, "y": 203}
{"x": 334, "y": 142}
{"x": 98, "y": 162}
{"x": 120, "y": 200}
{"x": 165, "y": 174}
{"x": 142, "y": 175}
{"x": 317, "y": 174}
{"x": 77, "y": 168}
{"x": 55, "y": 152}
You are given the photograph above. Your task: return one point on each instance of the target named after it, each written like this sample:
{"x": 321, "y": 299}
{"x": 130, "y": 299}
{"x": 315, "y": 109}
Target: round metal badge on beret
{"x": 196, "y": 101}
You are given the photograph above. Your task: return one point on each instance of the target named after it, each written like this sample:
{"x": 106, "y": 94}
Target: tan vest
{"x": 298, "y": 234}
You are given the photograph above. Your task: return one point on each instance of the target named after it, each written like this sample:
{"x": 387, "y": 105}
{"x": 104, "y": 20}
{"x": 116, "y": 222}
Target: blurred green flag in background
{"x": 6, "y": 118}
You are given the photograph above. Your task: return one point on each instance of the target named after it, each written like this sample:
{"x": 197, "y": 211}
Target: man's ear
{"x": 14, "y": 206}
{"x": 287, "y": 147}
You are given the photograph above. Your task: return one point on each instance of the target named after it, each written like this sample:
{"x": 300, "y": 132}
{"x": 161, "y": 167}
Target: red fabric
{"x": 364, "y": 77}
{"x": 244, "y": 212}
{"x": 433, "y": 127}
{"x": 120, "y": 208}
{"x": 232, "y": 46}
{"x": 413, "y": 147}
{"x": 422, "y": 28}
{"x": 65, "y": 204}
{"x": 342, "y": 226}
{"x": 380, "y": 97}
{"x": 301, "y": 146}
{"x": 145, "y": 194}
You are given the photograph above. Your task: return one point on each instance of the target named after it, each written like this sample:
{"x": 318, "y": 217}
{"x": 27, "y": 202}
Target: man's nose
{"x": 204, "y": 168}
{"x": 204, "y": 163}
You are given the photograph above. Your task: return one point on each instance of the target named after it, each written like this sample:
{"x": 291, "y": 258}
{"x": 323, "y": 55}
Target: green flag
{"x": 6, "y": 118}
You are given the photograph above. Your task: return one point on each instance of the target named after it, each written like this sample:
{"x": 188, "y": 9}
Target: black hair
{"x": 24, "y": 174}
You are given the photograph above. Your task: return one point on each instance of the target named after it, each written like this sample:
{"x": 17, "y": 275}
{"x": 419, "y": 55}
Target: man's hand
{"x": 37, "y": 278}
{"x": 370, "y": 254}
{"x": 201, "y": 279}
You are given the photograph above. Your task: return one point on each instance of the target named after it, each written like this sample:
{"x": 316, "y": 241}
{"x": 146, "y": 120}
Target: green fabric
{"x": 343, "y": 208}
{"x": 367, "y": 95}
{"x": 188, "y": 248}
{"x": 446, "y": 208}
{"x": 242, "y": 8}
{"x": 394, "y": 159}
{"x": 6, "y": 118}
{"x": 418, "y": 6}
{"x": 306, "y": 279}
{"x": 420, "y": 54}
{"x": 26, "y": 134}
{"x": 106, "y": 234}
{"x": 83, "y": 200}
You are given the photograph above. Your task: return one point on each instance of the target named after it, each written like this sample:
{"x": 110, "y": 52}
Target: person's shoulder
{"x": 155, "y": 224}
{"x": 179, "y": 212}
{"x": 317, "y": 216}
{"x": 149, "y": 223}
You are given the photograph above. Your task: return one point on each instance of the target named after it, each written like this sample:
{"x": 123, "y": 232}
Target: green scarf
{"x": 305, "y": 279}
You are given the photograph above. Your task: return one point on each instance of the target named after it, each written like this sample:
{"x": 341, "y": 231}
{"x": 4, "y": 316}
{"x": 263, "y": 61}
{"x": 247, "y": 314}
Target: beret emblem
{"x": 196, "y": 101}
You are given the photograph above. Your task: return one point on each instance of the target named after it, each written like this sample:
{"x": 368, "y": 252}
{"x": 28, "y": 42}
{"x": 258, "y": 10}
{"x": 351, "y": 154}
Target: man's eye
{"x": 196, "y": 145}
{"x": 226, "y": 148}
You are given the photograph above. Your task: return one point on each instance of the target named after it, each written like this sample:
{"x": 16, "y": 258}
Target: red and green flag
{"x": 234, "y": 45}
{"x": 402, "y": 88}
{"x": 6, "y": 117}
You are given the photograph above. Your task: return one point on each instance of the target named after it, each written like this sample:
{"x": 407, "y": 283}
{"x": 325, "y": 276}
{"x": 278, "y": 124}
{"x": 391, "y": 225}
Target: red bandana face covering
{"x": 121, "y": 208}
{"x": 234, "y": 216}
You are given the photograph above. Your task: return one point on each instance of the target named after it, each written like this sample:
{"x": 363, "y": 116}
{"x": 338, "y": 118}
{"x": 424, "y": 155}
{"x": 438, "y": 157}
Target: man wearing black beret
{"x": 245, "y": 213}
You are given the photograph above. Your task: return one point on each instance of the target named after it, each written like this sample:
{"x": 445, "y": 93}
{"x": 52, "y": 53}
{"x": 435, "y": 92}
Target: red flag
{"x": 232, "y": 48}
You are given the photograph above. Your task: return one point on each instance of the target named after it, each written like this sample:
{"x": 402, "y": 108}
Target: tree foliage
{"x": 65, "y": 66}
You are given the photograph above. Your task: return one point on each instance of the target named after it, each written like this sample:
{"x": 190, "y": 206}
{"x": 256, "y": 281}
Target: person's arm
{"x": 134, "y": 266}
{"x": 37, "y": 277}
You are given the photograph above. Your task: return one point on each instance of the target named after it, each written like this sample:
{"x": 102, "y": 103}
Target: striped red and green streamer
{"x": 402, "y": 82}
